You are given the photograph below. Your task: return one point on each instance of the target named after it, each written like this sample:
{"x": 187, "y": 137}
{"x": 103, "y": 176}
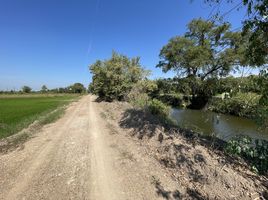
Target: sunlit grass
{"x": 19, "y": 111}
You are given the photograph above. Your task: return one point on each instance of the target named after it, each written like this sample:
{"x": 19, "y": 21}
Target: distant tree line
{"x": 77, "y": 88}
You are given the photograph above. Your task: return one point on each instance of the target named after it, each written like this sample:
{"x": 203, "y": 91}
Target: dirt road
{"x": 79, "y": 157}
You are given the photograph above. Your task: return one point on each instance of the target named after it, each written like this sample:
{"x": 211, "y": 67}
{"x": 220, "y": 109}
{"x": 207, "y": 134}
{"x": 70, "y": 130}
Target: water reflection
{"x": 223, "y": 126}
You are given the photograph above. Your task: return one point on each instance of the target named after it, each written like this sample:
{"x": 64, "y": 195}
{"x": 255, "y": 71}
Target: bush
{"x": 157, "y": 107}
{"x": 243, "y": 105}
{"x": 138, "y": 99}
{"x": 255, "y": 153}
{"x": 139, "y": 94}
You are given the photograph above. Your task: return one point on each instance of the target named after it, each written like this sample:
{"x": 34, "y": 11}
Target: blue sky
{"x": 52, "y": 42}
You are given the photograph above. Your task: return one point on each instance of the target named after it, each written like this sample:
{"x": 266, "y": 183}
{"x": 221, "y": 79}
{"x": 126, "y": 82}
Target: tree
{"x": 78, "y": 88}
{"x": 113, "y": 78}
{"x": 26, "y": 89}
{"x": 44, "y": 89}
{"x": 206, "y": 51}
{"x": 256, "y": 26}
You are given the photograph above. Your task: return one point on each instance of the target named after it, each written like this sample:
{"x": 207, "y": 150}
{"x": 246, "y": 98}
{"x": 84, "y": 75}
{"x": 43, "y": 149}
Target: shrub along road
{"x": 78, "y": 157}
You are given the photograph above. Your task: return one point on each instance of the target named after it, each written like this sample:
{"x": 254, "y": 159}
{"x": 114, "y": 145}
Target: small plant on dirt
{"x": 254, "y": 152}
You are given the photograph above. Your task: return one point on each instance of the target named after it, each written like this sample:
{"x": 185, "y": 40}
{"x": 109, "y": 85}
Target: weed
{"x": 254, "y": 152}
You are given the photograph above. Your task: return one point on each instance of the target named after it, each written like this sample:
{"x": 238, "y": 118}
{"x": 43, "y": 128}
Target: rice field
{"x": 19, "y": 111}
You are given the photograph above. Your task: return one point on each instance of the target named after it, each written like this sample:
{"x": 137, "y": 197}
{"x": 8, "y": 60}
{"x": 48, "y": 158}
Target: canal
{"x": 222, "y": 125}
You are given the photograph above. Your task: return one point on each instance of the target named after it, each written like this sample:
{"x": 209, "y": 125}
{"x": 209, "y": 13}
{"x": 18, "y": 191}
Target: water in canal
{"x": 223, "y": 126}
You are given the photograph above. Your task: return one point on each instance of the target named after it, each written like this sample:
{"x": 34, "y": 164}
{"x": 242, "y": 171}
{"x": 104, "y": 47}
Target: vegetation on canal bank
{"x": 255, "y": 152}
{"x": 242, "y": 104}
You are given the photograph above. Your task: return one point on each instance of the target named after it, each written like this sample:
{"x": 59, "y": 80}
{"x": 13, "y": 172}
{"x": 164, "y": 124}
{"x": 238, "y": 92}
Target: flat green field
{"x": 19, "y": 111}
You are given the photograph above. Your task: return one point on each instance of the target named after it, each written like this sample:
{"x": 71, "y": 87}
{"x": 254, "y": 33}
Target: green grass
{"x": 19, "y": 111}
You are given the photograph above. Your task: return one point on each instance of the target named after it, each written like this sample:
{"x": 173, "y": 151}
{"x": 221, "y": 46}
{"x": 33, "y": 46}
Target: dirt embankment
{"x": 103, "y": 151}
{"x": 200, "y": 171}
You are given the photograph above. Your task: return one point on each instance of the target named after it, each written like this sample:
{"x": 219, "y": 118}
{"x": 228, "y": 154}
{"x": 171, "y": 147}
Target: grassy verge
{"x": 17, "y": 140}
{"x": 18, "y": 112}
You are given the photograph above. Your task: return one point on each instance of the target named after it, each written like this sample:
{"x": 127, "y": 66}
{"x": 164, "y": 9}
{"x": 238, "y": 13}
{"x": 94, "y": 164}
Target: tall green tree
{"x": 113, "y": 78}
{"x": 44, "y": 89}
{"x": 26, "y": 89}
{"x": 206, "y": 51}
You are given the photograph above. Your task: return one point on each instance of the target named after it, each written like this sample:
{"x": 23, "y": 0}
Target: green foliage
{"x": 26, "y": 89}
{"x": 234, "y": 85}
{"x": 175, "y": 100}
{"x": 255, "y": 28}
{"x": 173, "y": 85}
{"x": 200, "y": 53}
{"x": 146, "y": 86}
{"x": 262, "y": 116}
{"x": 204, "y": 53}
{"x": 77, "y": 88}
{"x": 184, "y": 85}
{"x": 141, "y": 97}
{"x": 242, "y": 104}
{"x": 113, "y": 79}
{"x": 256, "y": 153}
{"x": 44, "y": 89}
{"x": 157, "y": 107}
{"x": 18, "y": 111}
{"x": 139, "y": 94}
{"x": 139, "y": 100}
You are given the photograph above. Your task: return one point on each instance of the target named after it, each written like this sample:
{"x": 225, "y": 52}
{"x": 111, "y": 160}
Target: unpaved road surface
{"x": 79, "y": 157}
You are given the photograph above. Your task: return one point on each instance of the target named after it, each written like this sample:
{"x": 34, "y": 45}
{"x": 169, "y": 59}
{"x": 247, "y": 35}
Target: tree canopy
{"x": 26, "y": 89}
{"x": 205, "y": 50}
{"x": 44, "y": 89}
{"x": 112, "y": 79}
{"x": 255, "y": 24}
{"x": 77, "y": 88}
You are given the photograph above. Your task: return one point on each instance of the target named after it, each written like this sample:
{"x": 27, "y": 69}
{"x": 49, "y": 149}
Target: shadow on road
{"x": 189, "y": 193}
